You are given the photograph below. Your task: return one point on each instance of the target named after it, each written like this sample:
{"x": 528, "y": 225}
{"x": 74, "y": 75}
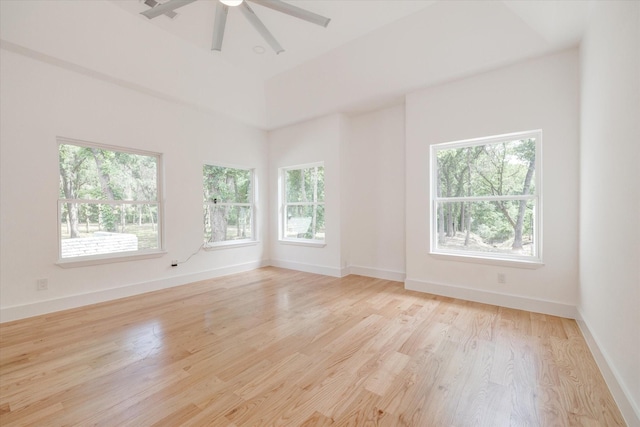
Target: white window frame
{"x": 107, "y": 258}
{"x": 284, "y": 204}
{"x": 533, "y": 261}
{"x": 252, "y": 205}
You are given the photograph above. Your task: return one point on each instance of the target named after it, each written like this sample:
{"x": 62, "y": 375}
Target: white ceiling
{"x": 372, "y": 53}
{"x": 375, "y": 51}
{"x": 301, "y": 40}
{"x": 560, "y": 22}
{"x": 448, "y": 40}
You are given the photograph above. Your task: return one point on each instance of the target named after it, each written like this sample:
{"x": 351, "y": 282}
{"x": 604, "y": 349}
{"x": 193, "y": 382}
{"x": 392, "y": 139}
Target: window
{"x": 228, "y": 205}
{"x": 109, "y": 201}
{"x": 303, "y": 203}
{"x": 486, "y": 199}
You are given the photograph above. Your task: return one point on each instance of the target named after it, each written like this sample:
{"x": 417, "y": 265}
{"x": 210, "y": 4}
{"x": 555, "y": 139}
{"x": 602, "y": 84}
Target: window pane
{"x": 226, "y": 185}
{"x": 320, "y": 178}
{"x": 223, "y": 223}
{"x": 95, "y": 229}
{"x": 305, "y": 222}
{"x": 100, "y": 174}
{"x": 502, "y": 227}
{"x": 505, "y": 168}
{"x": 305, "y": 185}
{"x": 296, "y": 188}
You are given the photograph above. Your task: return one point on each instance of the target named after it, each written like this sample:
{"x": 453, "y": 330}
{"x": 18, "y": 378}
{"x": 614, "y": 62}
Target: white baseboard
{"x": 8, "y": 314}
{"x": 310, "y": 268}
{"x": 621, "y": 394}
{"x": 378, "y": 273}
{"x": 494, "y": 298}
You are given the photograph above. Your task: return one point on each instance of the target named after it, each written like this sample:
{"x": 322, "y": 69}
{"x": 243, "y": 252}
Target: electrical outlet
{"x": 502, "y": 278}
{"x": 42, "y": 284}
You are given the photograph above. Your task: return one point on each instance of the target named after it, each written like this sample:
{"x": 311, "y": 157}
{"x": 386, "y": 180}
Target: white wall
{"x": 536, "y": 94}
{"x": 375, "y": 183}
{"x": 41, "y": 101}
{"x": 319, "y": 140}
{"x": 609, "y": 299}
{"x": 364, "y": 173}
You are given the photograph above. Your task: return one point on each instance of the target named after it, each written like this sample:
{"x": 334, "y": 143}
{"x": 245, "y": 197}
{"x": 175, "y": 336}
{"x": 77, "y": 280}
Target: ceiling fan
{"x": 222, "y": 8}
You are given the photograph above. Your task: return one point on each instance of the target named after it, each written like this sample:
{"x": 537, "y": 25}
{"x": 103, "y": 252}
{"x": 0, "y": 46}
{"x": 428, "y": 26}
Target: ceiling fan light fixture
{"x": 222, "y": 9}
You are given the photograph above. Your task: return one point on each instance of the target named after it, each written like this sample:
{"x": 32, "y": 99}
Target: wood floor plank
{"x": 317, "y": 420}
{"x": 286, "y": 348}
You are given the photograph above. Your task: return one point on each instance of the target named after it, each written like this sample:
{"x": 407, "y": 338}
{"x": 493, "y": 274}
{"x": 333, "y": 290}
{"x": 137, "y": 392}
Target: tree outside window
{"x": 486, "y": 197}
{"x": 228, "y": 205}
{"x": 109, "y": 200}
{"x": 303, "y": 215}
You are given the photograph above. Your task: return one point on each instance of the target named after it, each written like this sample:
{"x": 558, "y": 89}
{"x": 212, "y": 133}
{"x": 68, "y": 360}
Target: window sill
{"x": 108, "y": 259}
{"x": 503, "y": 262}
{"x": 309, "y": 243}
{"x": 229, "y": 244}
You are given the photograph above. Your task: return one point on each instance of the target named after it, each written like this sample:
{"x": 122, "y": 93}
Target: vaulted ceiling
{"x": 301, "y": 40}
{"x": 370, "y": 55}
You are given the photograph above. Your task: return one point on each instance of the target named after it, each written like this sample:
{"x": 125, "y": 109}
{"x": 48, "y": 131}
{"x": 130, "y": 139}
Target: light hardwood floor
{"x": 278, "y": 347}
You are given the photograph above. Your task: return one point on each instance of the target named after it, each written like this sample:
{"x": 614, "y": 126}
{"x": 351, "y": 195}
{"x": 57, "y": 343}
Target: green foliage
{"x": 227, "y": 199}
{"x": 98, "y": 174}
{"x": 304, "y": 194}
{"x": 109, "y": 218}
{"x": 495, "y": 169}
{"x": 91, "y": 175}
{"x": 492, "y": 169}
{"x": 226, "y": 185}
{"x": 300, "y": 184}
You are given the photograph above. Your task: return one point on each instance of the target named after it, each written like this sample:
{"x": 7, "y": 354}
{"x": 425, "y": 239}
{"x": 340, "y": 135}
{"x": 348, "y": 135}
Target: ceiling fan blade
{"x": 154, "y": 3}
{"x": 259, "y": 26}
{"x": 163, "y": 8}
{"x": 296, "y": 11}
{"x": 218, "y": 26}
